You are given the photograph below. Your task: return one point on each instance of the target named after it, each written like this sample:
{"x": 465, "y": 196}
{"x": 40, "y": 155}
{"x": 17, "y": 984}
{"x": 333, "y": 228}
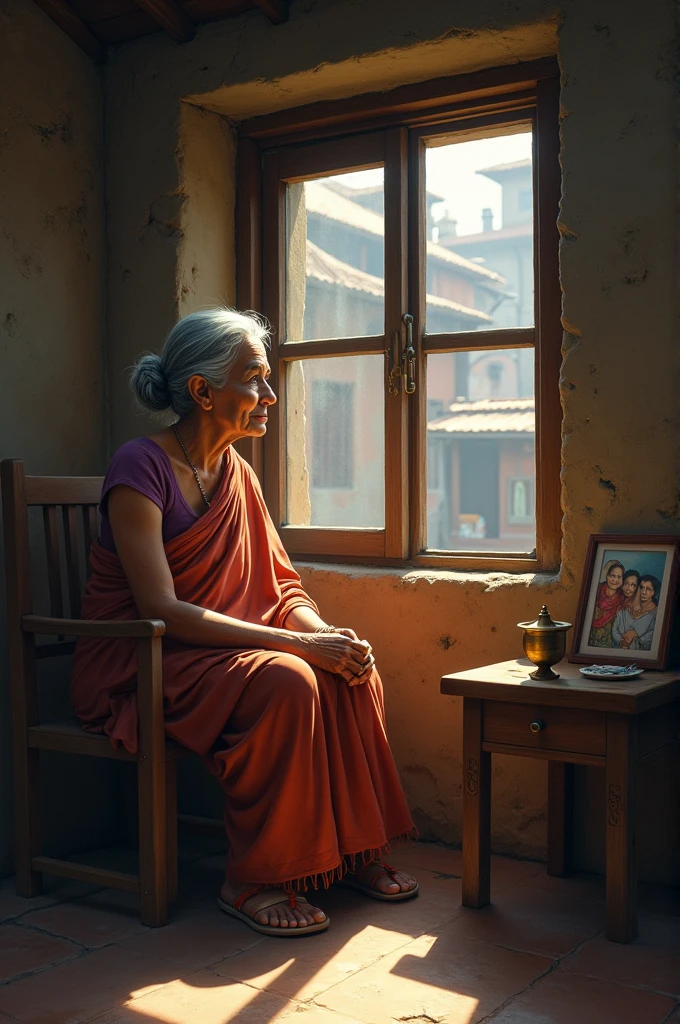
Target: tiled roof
{"x": 513, "y": 231}
{"x": 369, "y": 190}
{"x": 327, "y": 203}
{"x": 488, "y": 416}
{"x": 515, "y": 165}
{"x": 324, "y": 267}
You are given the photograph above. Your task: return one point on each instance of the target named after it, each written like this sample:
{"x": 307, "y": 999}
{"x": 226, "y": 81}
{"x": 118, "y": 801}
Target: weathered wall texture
{"x": 619, "y": 384}
{"x": 51, "y": 274}
{"x": 170, "y": 189}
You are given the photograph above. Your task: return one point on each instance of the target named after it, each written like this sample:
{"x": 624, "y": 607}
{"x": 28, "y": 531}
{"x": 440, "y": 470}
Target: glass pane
{"x": 480, "y": 248}
{"x": 480, "y": 451}
{"x": 335, "y": 442}
{"x": 335, "y": 257}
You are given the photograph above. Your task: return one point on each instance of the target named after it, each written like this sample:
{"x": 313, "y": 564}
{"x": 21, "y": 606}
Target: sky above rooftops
{"x": 452, "y": 173}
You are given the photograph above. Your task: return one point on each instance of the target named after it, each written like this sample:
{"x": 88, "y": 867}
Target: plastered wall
{"x": 170, "y": 189}
{"x": 619, "y": 377}
{"x": 52, "y": 411}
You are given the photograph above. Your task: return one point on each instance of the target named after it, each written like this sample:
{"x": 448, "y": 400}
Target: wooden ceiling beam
{"x": 69, "y": 22}
{"x": 171, "y": 17}
{"x": 276, "y": 10}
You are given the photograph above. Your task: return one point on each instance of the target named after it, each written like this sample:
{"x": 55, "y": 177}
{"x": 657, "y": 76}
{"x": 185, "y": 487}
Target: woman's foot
{"x": 280, "y": 915}
{"x": 381, "y": 878}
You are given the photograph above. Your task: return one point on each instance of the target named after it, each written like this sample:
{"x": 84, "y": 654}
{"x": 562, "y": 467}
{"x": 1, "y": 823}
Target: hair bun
{"x": 149, "y": 383}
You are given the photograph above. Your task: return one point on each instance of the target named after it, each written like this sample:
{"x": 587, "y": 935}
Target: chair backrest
{"x": 69, "y": 526}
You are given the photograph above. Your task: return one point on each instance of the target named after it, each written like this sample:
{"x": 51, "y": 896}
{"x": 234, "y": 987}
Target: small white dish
{"x": 611, "y": 672}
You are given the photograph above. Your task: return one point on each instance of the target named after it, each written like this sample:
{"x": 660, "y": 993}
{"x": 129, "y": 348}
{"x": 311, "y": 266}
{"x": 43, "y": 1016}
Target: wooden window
{"x": 404, "y": 247}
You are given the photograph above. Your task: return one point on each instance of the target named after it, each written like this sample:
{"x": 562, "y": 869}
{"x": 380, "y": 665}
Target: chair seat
{"x": 68, "y": 736}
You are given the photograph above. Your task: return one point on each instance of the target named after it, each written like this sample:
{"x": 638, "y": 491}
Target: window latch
{"x": 408, "y": 358}
{"x": 394, "y": 369}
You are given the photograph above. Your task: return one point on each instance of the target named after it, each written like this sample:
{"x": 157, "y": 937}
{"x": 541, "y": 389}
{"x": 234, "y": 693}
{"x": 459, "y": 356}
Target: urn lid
{"x": 544, "y": 623}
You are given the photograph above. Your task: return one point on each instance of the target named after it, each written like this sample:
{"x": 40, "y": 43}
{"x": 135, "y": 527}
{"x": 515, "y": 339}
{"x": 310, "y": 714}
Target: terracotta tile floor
{"x": 537, "y": 955}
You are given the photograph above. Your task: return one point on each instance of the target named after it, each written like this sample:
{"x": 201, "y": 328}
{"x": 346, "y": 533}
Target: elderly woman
{"x": 286, "y": 710}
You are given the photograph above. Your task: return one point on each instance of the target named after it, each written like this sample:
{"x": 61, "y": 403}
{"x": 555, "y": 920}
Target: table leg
{"x": 476, "y": 807}
{"x": 621, "y": 794}
{"x": 560, "y": 817}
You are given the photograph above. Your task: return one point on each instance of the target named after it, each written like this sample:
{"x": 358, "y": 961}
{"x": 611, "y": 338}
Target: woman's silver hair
{"x": 205, "y": 344}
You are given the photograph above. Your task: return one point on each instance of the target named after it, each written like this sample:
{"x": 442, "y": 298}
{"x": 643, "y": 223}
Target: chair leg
{"x": 153, "y": 879}
{"x": 171, "y": 826}
{"x": 28, "y": 882}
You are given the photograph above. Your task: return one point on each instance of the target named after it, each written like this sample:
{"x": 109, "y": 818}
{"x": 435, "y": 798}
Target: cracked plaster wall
{"x": 170, "y": 229}
{"x": 51, "y": 319}
{"x": 619, "y": 385}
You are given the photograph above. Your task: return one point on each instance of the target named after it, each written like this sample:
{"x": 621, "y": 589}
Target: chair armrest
{"x": 130, "y": 628}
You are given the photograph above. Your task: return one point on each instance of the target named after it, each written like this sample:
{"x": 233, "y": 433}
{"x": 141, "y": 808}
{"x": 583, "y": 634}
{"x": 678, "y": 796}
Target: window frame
{"x": 324, "y": 138}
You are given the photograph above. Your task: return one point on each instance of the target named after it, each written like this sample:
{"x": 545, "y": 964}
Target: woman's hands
{"x": 341, "y": 652}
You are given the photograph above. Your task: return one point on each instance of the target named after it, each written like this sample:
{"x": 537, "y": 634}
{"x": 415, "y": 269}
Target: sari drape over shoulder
{"x": 290, "y": 744}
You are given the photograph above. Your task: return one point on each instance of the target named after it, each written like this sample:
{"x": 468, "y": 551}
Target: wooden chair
{"x": 74, "y": 500}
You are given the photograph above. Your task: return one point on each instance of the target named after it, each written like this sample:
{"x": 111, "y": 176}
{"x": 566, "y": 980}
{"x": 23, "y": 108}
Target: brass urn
{"x": 544, "y": 644}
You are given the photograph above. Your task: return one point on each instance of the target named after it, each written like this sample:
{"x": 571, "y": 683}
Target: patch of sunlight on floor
{"x": 412, "y": 983}
{"x": 206, "y": 998}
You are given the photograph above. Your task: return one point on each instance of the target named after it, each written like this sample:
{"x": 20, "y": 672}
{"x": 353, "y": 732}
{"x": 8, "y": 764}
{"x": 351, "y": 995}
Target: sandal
{"x": 370, "y": 890}
{"x": 270, "y": 898}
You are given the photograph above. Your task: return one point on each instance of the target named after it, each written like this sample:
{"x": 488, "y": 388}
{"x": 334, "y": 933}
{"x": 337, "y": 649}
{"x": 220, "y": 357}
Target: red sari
{"x": 283, "y": 737}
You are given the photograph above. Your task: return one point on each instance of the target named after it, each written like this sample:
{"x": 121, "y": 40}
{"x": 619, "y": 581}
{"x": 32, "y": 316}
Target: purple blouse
{"x": 143, "y": 465}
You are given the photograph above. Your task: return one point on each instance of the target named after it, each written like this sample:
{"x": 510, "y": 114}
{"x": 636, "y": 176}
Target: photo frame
{"x": 627, "y": 599}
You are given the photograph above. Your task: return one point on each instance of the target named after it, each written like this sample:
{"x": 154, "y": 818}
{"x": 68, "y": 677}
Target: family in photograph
{"x": 625, "y": 608}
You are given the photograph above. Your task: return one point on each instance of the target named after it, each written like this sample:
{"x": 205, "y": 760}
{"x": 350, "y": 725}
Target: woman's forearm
{"x": 194, "y": 625}
{"x": 303, "y": 619}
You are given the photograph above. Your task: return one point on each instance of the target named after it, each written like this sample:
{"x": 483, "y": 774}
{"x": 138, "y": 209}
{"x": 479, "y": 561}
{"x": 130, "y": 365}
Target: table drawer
{"x": 560, "y": 728}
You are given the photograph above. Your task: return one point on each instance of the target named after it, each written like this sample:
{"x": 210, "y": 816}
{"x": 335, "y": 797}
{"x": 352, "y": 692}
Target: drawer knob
{"x": 537, "y": 725}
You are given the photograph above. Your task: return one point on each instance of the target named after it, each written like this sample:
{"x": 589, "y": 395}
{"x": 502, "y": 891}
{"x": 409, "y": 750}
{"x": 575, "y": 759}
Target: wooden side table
{"x": 613, "y": 725}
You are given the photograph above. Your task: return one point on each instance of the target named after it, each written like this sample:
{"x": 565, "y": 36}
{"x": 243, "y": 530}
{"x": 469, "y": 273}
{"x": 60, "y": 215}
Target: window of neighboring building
{"x": 525, "y": 199}
{"x": 412, "y": 372}
{"x": 520, "y": 500}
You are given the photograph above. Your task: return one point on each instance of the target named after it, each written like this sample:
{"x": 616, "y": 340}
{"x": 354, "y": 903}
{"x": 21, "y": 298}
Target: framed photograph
{"x": 626, "y": 602}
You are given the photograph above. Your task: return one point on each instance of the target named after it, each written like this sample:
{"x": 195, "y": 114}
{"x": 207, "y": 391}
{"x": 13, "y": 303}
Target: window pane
{"x": 480, "y": 451}
{"x": 335, "y": 259}
{"x": 480, "y": 249}
{"x": 335, "y": 442}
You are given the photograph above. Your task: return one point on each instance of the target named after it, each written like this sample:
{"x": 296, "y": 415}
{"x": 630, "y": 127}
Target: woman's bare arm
{"x": 136, "y": 524}
{"x": 305, "y": 620}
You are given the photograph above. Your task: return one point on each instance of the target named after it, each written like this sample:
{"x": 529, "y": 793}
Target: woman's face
{"x": 630, "y": 585}
{"x": 646, "y": 591}
{"x": 615, "y": 578}
{"x": 242, "y": 404}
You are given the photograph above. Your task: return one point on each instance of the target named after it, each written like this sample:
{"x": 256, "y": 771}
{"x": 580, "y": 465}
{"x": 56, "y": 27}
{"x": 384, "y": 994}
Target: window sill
{"x": 408, "y": 574}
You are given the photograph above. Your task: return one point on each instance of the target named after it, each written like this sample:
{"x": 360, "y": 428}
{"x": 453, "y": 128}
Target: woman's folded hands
{"x": 341, "y": 652}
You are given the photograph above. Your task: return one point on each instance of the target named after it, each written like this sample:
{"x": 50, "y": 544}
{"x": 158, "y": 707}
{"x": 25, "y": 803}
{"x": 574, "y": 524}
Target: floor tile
{"x": 505, "y": 871}
{"x": 202, "y": 998}
{"x": 56, "y": 891}
{"x": 582, "y": 885}
{"x": 196, "y": 941}
{"x": 75, "y": 991}
{"x": 435, "y": 977}
{"x": 528, "y": 919}
{"x": 659, "y": 899}
{"x": 302, "y": 968}
{"x": 439, "y": 902}
{"x": 24, "y": 949}
{"x": 562, "y": 998}
{"x": 86, "y": 922}
{"x": 651, "y": 961}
